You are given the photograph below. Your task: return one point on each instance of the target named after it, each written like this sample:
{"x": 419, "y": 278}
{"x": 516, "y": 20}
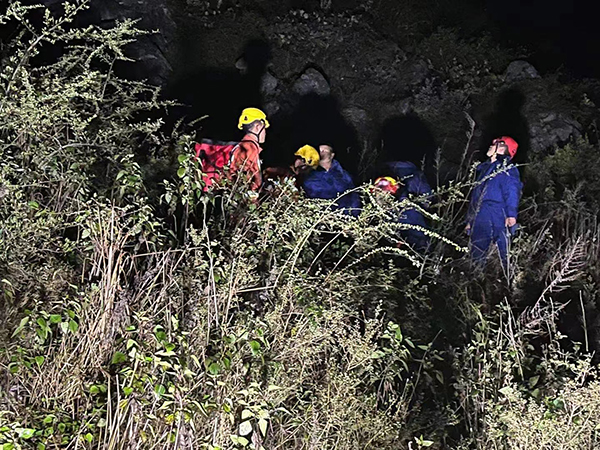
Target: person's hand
{"x": 511, "y": 221}
{"x": 468, "y": 228}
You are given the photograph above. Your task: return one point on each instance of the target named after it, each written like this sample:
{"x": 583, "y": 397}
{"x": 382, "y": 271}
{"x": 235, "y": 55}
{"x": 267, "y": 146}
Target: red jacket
{"x": 246, "y": 159}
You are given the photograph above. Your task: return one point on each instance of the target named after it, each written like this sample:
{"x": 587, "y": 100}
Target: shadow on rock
{"x": 407, "y": 138}
{"x": 507, "y": 119}
{"x": 221, "y": 93}
{"x": 316, "y": 119}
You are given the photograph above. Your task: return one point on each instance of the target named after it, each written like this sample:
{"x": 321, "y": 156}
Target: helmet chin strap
{"x": 261, "y": 130}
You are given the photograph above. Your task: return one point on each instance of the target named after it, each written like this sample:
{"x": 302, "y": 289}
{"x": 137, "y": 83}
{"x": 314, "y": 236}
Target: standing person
{"x": 246, "y": 157}
{"x": 232, "y": 159}
{"x": 330, "y": 181}
{"x": 493, "y": 209}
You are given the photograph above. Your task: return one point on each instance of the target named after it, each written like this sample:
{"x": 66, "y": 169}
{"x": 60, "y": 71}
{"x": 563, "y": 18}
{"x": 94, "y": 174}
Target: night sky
{"x": 562, "y": 34}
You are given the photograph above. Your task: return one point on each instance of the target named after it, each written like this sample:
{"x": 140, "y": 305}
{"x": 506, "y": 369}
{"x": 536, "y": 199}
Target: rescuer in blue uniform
{"x": 411, "y": 184}
{"x": 413, "y": 236}
{"x": 330, "y": 181}
{"x": 493, "y": 210}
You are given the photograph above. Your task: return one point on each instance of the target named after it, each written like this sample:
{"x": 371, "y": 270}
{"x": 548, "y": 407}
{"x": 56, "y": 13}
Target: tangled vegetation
{"x": 139, "y": 315}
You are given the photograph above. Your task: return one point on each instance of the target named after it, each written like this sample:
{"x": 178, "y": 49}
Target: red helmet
{"x": 509, "y": 142}
{"x": 387, "y": 184}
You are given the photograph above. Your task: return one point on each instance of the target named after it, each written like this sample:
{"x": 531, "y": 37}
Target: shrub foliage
{"x": 187, "y": 320}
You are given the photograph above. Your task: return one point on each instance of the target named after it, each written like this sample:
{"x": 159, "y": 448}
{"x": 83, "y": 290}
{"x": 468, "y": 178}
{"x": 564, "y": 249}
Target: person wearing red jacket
{"x": 246, "y": 158}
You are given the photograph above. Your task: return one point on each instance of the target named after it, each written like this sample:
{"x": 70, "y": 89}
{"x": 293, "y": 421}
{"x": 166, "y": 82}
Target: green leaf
{"x": 246, "y": 414}
{"x": 182, "y": 158}
{"x": 127, "y": 390}
{"x": 214, "y": 369}
{"x": 181, "y": 172}
{"x": 88, "y": 437}
{"x": 39, "y": 360}
{"x": 169, "y": 347}
{"x": 26, "y": 433}
{"x": 160, "y": 390}
{"x": 377, "y": 354}
{"x": 255, "y": 347}
{"x": 398, "y": 334}
{"x": 262, "y": 424}
{"x": 55, "y": 318}
{"x": 41, "y": 446}
{"x": 42, "y": 333}
{"x": 42, "y": 323}
{"x": 94, "y": 390}
{"x": 558, "y": 403}
{"x": 161, "y": 336}
{"x": 48, "y": 419}
{"x": 24, "y": 321}
{"x": 85, "y": 233}
{"x": 245, "y": 428}
{"x": 533, "y": 381}
{"x": 238, "y": 440}
{"x": 118, "y": 358}
{"x": 64, "y": 327}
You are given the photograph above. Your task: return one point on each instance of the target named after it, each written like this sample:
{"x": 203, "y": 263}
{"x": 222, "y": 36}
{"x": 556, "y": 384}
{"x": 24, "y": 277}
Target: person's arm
{"x": 312, "y": 186}
{"x": 511, "y": 193}
{"x": 475, "y": 199}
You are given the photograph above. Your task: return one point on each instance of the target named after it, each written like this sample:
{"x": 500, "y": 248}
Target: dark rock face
{"x": 520, "y": 70}
{"x": 271, "y": 94}
{"x": 315, "y": 58}
{"x": 151, "y": 52}
{"x": 311, "y": 82}
{"x": 552, "y": 129}
{"x": 268, "y": 86}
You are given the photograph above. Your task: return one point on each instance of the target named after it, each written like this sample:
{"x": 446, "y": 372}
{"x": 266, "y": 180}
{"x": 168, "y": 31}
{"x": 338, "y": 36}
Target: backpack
{"x": 414, "y": 179}
{"x": 213, "y": 157}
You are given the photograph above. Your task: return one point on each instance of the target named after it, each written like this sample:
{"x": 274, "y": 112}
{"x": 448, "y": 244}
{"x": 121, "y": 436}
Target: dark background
{"x": 561, "y": 34}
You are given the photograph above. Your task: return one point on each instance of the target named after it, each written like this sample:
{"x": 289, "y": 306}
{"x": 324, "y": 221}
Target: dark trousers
{"x": 486, "y": 231}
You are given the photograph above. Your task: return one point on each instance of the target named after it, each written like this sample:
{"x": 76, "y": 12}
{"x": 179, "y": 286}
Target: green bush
{"x": 222, "y": 322}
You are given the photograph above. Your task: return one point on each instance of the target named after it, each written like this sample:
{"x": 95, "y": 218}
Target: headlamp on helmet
{"x": 509, "y": 142}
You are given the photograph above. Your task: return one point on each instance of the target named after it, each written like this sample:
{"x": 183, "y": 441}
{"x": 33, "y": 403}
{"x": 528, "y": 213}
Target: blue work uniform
{"x": 330, "y": 184}
{"x": 495, "y": 197}
{"x": 415, "y": 184}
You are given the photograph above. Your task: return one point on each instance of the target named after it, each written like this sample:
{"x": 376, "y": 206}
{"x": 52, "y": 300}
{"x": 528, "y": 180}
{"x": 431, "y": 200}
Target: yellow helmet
{"x": 250, "y": 115}
{"x": 309, "y": 154}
